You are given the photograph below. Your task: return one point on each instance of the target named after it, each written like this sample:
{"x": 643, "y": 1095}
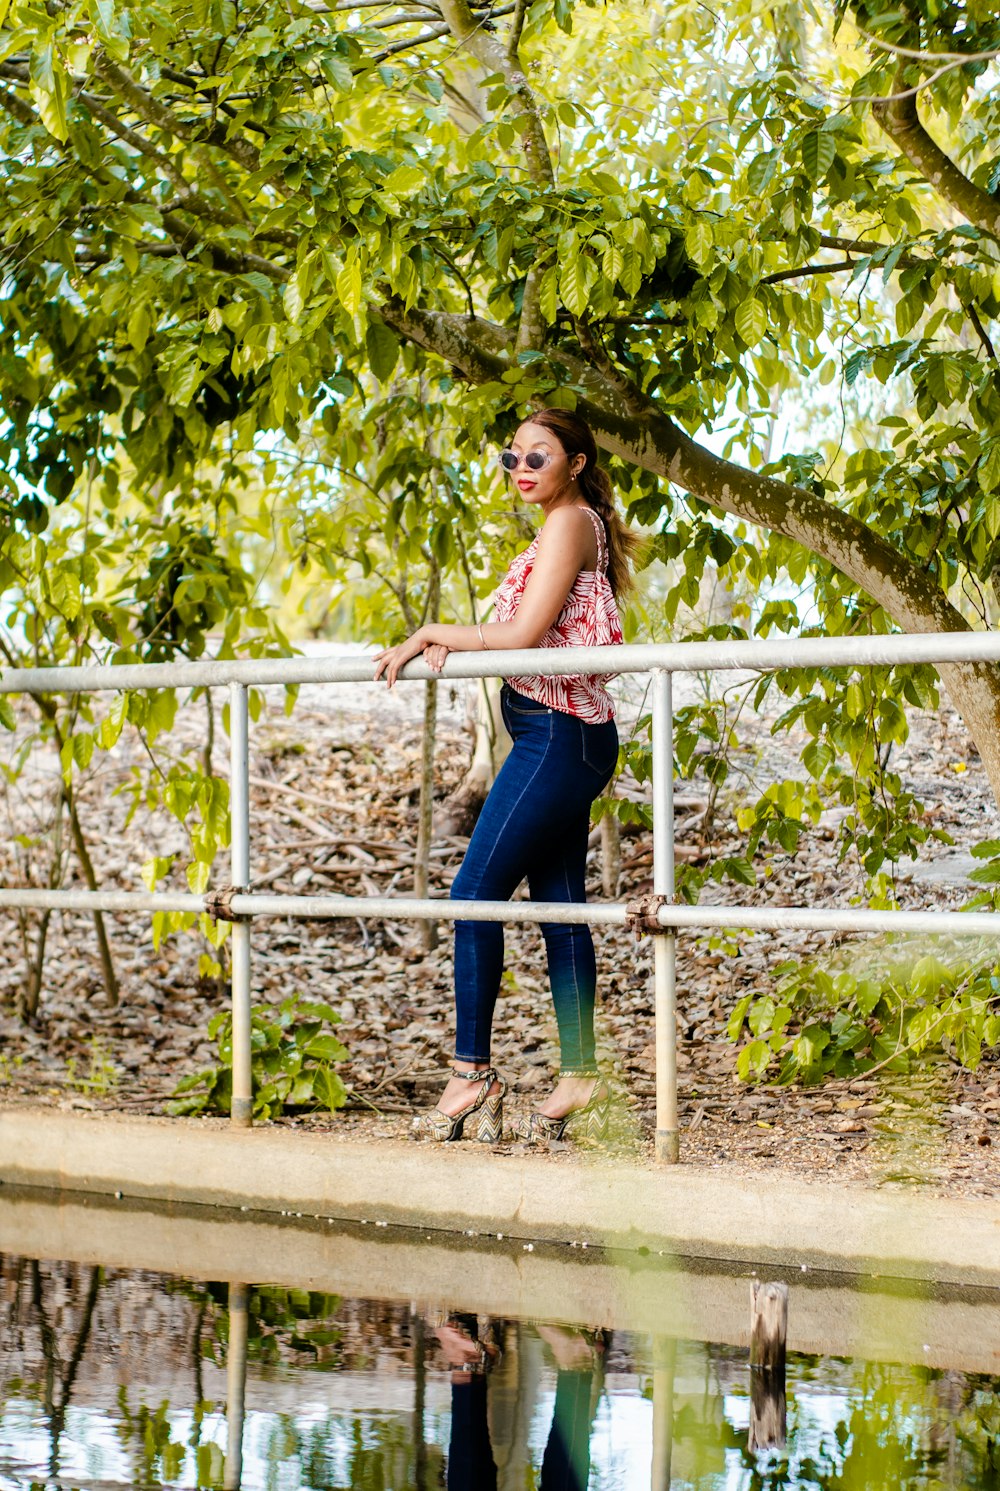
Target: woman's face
{"x": 555, "y": 479}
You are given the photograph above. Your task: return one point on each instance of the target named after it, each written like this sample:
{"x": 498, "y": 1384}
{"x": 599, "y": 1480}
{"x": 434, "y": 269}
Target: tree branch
{"x": 434, "y": 34}
{"x": 899, "y": 118}
{"x": 17, "y": 108}
{"x": 138, "y": 142}
{"x": 807, "y": 269}
{"x": 629, "y": 425}
{"x": 404, "y": 20}
{"x": 864, "y": 246}
{"x": 156, "y": 113}
{"x": 981, "y": 331}
{"x": 468, "y": 31}
{"x": 516, "y": 27}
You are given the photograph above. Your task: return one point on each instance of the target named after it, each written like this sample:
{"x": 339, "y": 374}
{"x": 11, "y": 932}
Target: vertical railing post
{"x": 241, "y": 1112}
{"x": 664, "y": 943}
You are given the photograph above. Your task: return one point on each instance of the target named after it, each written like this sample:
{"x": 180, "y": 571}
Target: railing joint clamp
{"x": 219, "y": 903}
{"x": 642, "y": 915}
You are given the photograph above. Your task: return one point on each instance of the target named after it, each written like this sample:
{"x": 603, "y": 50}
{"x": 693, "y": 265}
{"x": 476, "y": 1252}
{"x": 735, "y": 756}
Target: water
{"x": 113, "y": 1377}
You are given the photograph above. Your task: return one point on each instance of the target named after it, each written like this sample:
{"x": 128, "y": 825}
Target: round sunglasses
{"x": 535, "y": 460}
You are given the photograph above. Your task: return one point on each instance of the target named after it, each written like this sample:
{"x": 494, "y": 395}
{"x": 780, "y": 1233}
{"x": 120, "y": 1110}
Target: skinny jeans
{"x": 535, "y": 824}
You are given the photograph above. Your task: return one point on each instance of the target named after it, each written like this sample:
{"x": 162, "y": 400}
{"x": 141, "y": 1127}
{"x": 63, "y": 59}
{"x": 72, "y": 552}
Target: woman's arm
{"x": 566, "y": 545}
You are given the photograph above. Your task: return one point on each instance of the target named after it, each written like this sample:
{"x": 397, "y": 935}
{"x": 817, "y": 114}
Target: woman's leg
{"x": 560, "y": 875}
{"x": 541, "y": 798}
{"x": 569, "y": 948}
{"x": 495, "y": 863}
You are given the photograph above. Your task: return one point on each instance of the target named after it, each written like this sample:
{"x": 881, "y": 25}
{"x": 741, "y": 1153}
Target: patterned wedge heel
{"x": 484, "y": 1114}
{"x": 589, "y": 1123}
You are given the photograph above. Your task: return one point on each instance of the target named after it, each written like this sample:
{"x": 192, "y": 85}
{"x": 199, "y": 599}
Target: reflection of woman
{"x": 560, "y": 592}
{"x": 471, "y": 1466}
{"x": 566, "y": 1461}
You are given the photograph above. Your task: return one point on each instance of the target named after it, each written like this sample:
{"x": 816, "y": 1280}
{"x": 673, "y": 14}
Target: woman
{"x": 560, "y": 592}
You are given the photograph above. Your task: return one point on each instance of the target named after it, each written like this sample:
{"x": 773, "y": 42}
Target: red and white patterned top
{"x": 589, "y": 618}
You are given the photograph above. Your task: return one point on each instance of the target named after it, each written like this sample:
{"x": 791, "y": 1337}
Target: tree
{"x": 223, "y": 221}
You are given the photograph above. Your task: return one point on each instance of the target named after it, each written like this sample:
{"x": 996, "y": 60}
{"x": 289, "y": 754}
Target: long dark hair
{"x": 577, "y": 439}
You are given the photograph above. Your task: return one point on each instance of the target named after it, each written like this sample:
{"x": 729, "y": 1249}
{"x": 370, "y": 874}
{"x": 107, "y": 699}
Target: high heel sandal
{"x": 486, "y": 1112}
{"x": 589, "y": 1122}
{"x": 466, "y": 1328}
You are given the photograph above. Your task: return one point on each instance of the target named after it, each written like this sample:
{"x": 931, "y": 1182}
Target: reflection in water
{"x": 664, "y": 1364}
{"x": 137, "y": 1380}
{"x": 236, "y": 1384}
{"x": 566, "y": 1458}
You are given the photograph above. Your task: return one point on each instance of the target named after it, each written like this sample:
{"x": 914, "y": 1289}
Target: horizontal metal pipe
{"x": 102, "y": 900}
{"x": 594, "y": 913}
{"x": 674, "y": 657}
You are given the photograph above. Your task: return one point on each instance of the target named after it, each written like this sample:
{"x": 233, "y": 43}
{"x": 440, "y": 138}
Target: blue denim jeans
{"x": 534, "y": 823}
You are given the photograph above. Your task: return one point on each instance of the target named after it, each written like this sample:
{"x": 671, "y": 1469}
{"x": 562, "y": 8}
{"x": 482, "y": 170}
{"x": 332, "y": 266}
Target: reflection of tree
{"x": 157, "y": 1456}
{"x": 899, "y": 1427}
{"x": 59, "y": 1380}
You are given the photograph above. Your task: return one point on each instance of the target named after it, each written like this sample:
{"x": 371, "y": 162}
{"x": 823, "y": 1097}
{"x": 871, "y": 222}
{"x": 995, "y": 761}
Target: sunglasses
{"x": 535, "y": 460}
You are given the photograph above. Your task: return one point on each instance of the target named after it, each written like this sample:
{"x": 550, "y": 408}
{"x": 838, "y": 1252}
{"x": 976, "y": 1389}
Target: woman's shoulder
{"x": 572, "y": 525}
{"x": 569, "y": 519}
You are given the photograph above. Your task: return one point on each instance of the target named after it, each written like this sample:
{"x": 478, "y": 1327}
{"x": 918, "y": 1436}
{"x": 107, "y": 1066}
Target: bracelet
{"x": 479, "y": 629}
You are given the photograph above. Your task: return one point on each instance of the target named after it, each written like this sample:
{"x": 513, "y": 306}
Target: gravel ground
{"x": 334, "y": 809}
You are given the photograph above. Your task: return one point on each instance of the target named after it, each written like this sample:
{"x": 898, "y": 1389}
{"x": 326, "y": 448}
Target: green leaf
{"x": 818, "y": 151}
{"x": 337, "y": 71}
{"x": 761, "y": 172}
{"x": 293, "y": 299}
{"x": 382, "y": 346}
{"x": 752, "y": 1062}
{"x": 310, "y": 1009}
{"x": 8, "y": 719}
{"x": 403, "y": 180}
{"x": 326, "y": 1048}
{"x": 349, "y": 284}
{"x": 699, "y": 241}
{"x": 49, "y": 92}
{"x": 989, "y": 469}
{"x": 930, "y": 977}
{"x": 573, "y": 285}
{"x": 548, "y": 294}
{"x": 734, "y": 1025}
{"x": 945, "y": 379}
{"x": 612, "y": 263}
{"x": 329, "y": 1089}
{"x": 751, "y": 321}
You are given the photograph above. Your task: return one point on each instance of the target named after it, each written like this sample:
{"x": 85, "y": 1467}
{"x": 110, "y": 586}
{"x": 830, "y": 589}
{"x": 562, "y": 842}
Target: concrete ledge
{"x": 681, "y": 1211}
{"x": 949, "y": 1328}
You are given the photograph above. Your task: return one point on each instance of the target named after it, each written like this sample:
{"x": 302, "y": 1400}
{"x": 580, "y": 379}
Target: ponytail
{"x": 577, "y": 439}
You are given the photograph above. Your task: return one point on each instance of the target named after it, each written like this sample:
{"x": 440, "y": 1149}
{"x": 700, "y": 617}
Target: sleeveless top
{"x": 589, "y": 618}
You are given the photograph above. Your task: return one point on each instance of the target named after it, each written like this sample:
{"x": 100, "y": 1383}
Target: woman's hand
{"x": 435, "y": 655}
{"x": 392, "y": 659}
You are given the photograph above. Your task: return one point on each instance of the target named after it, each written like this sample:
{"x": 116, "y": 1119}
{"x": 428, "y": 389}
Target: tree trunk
{"x": 111, "y": 988}
{"x": 611, "y": 855}
{"x": 31, "y": 991}
{"x": 428, "y": 930}
{"x": 110, "y": 977}
{"x": 459, "y": 811}
{"x": 421, "y": 868}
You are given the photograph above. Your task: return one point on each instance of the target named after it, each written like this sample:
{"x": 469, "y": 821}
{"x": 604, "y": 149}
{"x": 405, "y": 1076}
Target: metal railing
{"x": 655, "y": 914}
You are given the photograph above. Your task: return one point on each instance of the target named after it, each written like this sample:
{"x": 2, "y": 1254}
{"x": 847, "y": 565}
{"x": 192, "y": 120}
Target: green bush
{"x": 291, "y": 1061}
{"x": 820, "y": 1023}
